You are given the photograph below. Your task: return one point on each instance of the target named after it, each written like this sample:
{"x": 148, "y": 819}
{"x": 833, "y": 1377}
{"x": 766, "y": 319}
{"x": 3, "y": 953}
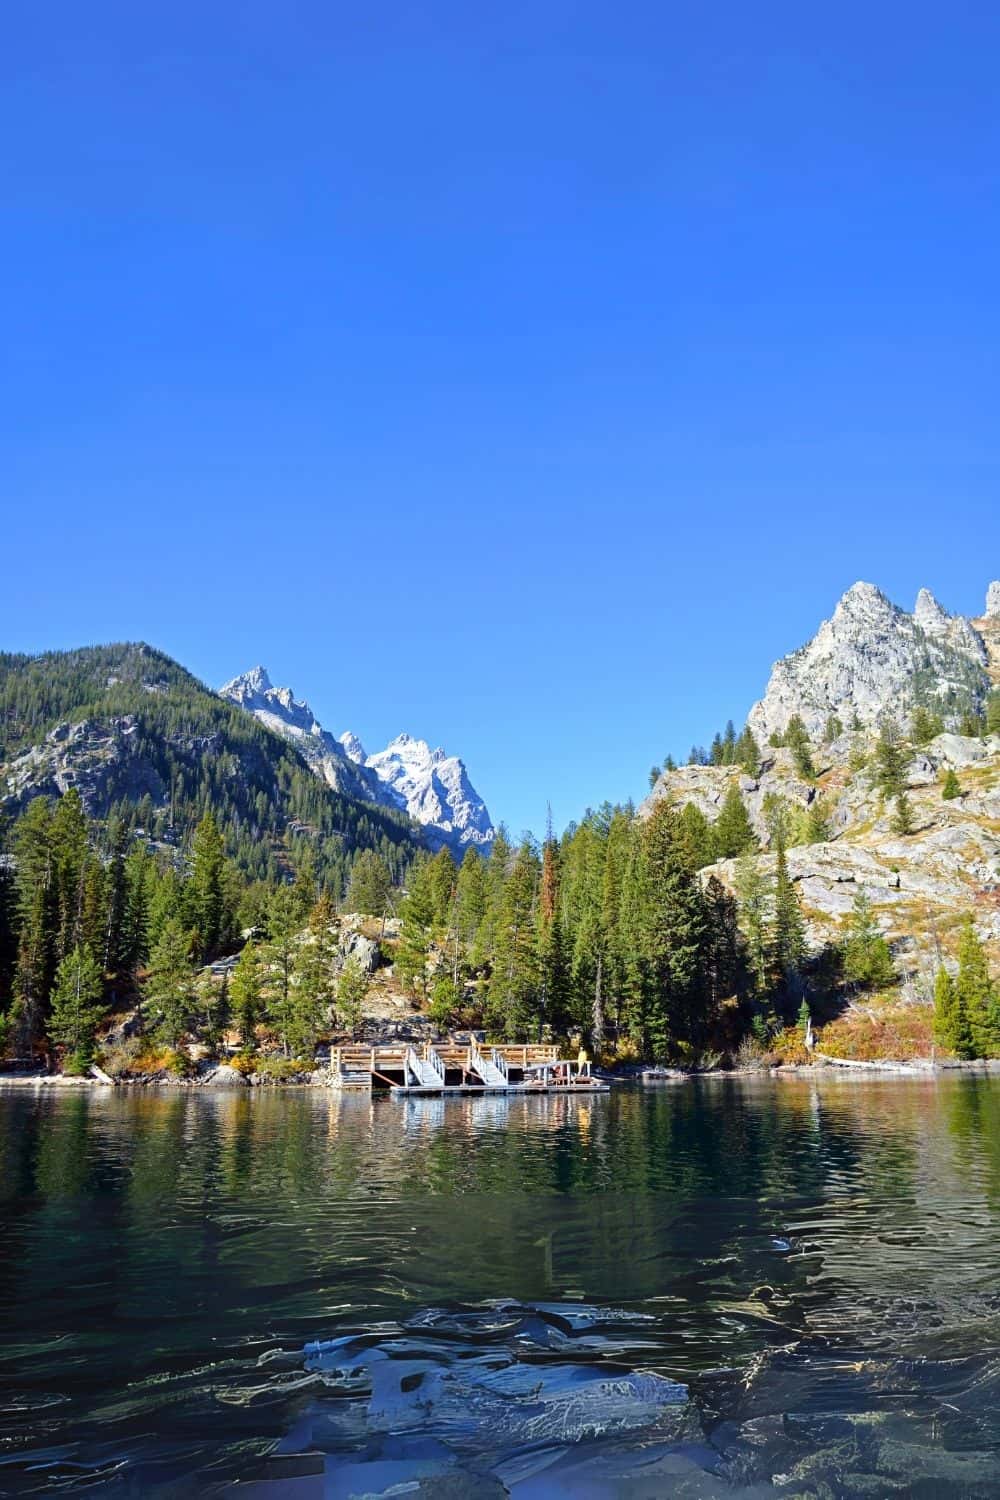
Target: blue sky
{"x": 527, "y": 377}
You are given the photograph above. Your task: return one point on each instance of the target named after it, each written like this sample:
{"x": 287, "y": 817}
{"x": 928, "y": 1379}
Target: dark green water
{"x": 815, "y": 1263}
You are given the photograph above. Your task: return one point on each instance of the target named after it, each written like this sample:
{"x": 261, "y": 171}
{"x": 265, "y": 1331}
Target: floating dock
{"x": 446, "y": 1068}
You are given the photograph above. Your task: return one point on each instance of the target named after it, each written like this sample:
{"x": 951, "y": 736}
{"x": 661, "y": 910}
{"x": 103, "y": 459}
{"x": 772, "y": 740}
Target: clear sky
{"x": 526, "y": 376}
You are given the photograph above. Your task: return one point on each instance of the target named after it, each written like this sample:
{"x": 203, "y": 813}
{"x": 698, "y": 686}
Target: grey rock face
{"x": 993, "y": 601}
{"x": 365, "y": 950}
{"x": 871, "y": 659}
{"x": 101, "y": 759}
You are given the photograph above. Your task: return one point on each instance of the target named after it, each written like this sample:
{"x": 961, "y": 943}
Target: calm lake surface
{"x": 714, "y": 1289}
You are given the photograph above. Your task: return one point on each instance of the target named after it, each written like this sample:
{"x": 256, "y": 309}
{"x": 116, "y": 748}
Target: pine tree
{"x": 470, "y": 898}
{"x": 93, "y": 922}
{"x": 788, "y": 935}
{"x": 552, "y": 975}
{"x": 993, "y": 712}
{"x": 748, "y": 752}
{"x": 115, "y": 946}
{"x": 135, "y": 935}
{"x": 206, "y": 893}
{"x": 370, "y": 884}
{"x": 832, "y": 731}
{"x": 890, "y": 761}
{"x": 950, "y": 787}
{"x": 246, "y": 994}
{"x": 733, "y": 833}
{"x": 314, "y": 990}
{"x": 755, "y": 900}
{"x": 77, "y": 1004}
{"x": 951, "y": 1024}
{"x": 443, "y": 876}
{"x": 924, "y": 725}
{"x": 977, "y": 995}
{"x": 817, "y": 822}
{"x": 729, "y": 744}
{"x": 417, "y": 913}
{"x": 867, "y": 955}
{"x": 696, "y": 837}
{"x": 283, "y": 919}
{"x": 352, "y": 987}
{"x": 37, "y": 922}
{"x": 725, "y": 962}
{"x": 501, "y": 857}
{"x": 69, "y": 865}
{"x": 8, "y": 926}
{"x": 675, "y": 934}
{"x": 170, "y": 989}
{"x": 903, "y": 818}
{"x": 614, "y": 967}
{"x": 797, "y": 741}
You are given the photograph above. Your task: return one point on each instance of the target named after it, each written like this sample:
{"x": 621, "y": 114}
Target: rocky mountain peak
{"x": 353, "y": 748}
{"x": 253, "y": 684}
{"x": 433, "y": 788}
{"x": 993, "y": 601}
{"x": 930, "y": 615}
{"x": 863, "y": 600}
{"x": 872, "y": 658}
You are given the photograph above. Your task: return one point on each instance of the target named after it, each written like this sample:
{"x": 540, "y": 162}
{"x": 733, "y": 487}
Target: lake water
{"x": 714, "y": 1289}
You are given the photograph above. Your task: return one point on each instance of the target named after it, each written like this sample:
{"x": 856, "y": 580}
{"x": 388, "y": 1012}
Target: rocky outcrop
{"x": 103, "y": 759}
{"x": 918, "y": 885}
{"x": 706, "y": 787}
{"x": 872, "y": 658}
{"x": 432, "y": 787}
{"x": 993, "y": 601}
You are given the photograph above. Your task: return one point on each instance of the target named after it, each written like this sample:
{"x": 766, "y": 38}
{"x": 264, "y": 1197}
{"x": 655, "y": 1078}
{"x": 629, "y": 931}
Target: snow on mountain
{"x": 353, "y": 748}
{"x": 291, "y": 717}
{"x": 432, "y": 787}
{"x": 435, "y": 789}
{"x": 872, "y": 658}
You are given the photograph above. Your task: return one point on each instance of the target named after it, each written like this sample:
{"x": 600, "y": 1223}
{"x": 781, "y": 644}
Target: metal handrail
{"x": 436, "y": 1063}
{"x": 499, "y": 1061}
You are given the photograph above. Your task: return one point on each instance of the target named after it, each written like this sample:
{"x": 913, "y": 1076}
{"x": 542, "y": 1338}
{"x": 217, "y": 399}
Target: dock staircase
{"x": 492, "y": 1069}
{"x": 427, "y": 1071}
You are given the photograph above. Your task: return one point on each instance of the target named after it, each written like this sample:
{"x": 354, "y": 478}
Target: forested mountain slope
{"x": 146, "y": 743}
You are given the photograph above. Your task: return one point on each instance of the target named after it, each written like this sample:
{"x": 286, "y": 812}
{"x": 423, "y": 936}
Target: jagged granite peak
{"x": 872, "y": 659}
{"x": 433, "y": 788}
{"x": 930, "y": 615}
{"x": 993, "y": 601}
{"x": 353, "y": 748}
{"x": 291, "y": 717}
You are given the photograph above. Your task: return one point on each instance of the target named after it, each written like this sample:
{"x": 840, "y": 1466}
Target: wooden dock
{"x": 447, "y": 1068}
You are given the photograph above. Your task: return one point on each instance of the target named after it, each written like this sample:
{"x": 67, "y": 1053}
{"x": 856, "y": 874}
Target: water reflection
{"x": 157, "y": 1245}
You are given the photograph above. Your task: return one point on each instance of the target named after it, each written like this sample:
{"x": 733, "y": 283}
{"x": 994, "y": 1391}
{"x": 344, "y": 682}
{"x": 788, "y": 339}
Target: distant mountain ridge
{"x": 873, "y": 659}
{"x": 139, "y": 737}
{"x": 433, "y": 788}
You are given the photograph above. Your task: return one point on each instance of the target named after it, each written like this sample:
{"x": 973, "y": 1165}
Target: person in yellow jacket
{"x": 582, "y": 1063}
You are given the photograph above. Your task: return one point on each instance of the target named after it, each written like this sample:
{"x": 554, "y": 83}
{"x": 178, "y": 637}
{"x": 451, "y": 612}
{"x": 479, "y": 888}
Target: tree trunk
{"x": 597, "y": 1021}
